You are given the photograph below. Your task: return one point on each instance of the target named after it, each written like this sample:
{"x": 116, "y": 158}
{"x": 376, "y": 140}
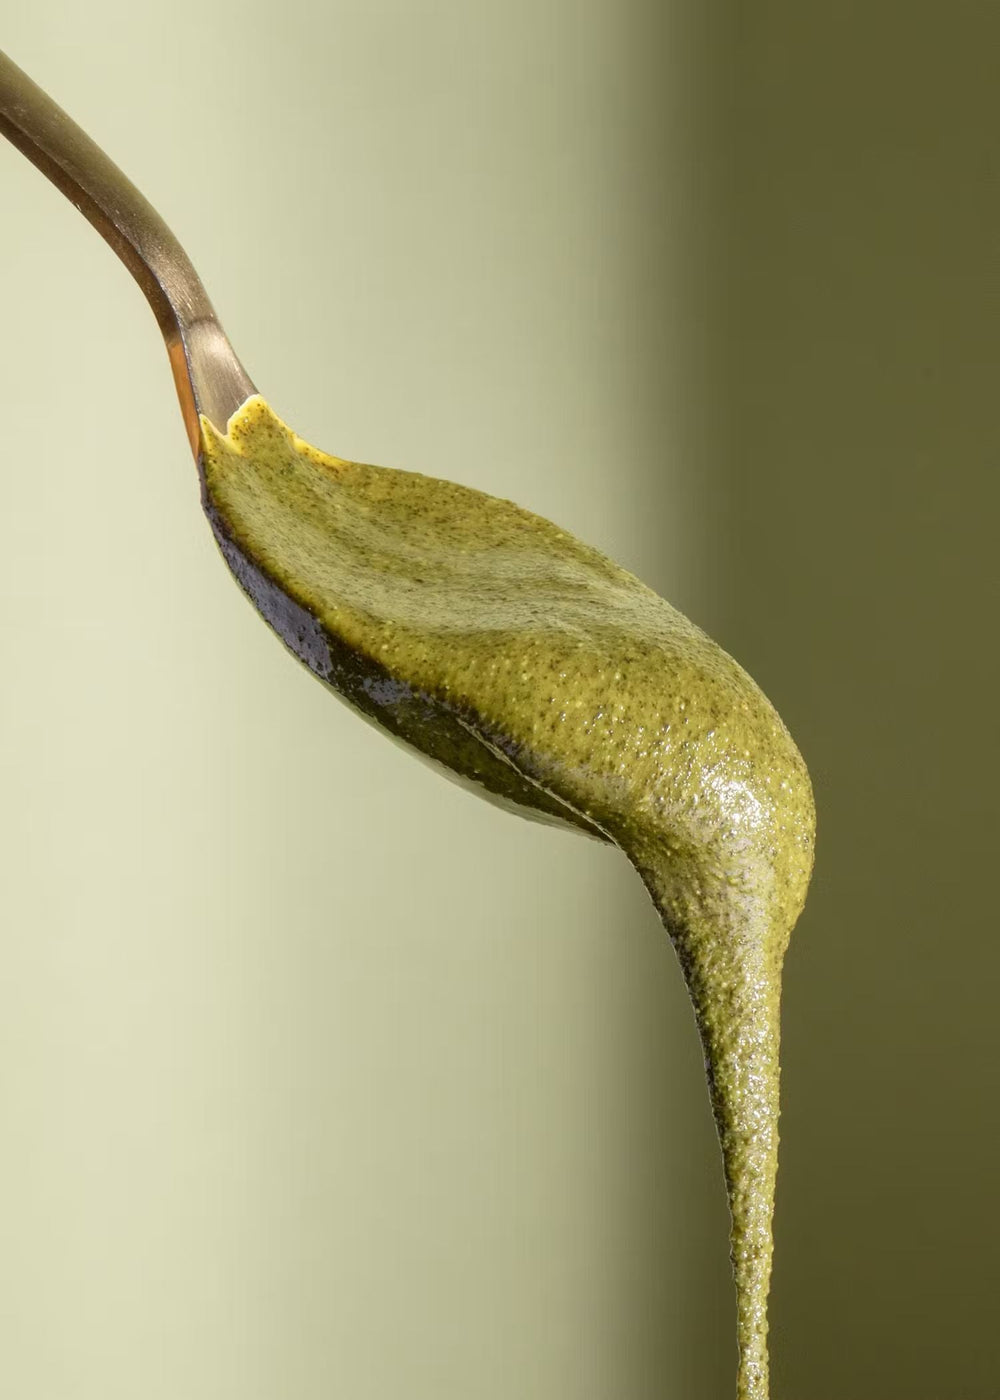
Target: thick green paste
{"x": 536, "y": 669}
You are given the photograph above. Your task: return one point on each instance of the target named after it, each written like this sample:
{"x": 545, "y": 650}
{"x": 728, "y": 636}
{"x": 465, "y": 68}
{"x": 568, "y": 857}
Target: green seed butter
{"x": 535, "y": 669}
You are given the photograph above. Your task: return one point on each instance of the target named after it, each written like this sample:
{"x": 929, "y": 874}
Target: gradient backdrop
{"x": 319, "y": 1078}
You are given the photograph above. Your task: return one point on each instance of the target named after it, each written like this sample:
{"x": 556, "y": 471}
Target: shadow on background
{"x": 859, "y": 515}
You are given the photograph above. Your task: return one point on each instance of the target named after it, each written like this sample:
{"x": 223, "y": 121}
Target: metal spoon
{"x": 207, "y": 373}
{"x": 211, "y": 381}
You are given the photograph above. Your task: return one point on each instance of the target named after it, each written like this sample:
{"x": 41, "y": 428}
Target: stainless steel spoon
{"x": 207, "y": 372}
{"x": 211, "y": 382}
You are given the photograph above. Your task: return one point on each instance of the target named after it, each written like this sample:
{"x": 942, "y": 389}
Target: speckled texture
{"x": 536, "y": 668}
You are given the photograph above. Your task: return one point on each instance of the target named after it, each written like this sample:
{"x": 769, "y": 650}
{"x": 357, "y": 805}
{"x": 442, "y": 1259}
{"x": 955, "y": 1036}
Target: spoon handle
{"x": 207, "y": 373}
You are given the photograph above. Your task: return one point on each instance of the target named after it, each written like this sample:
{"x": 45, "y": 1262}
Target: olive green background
{"x": 319, "y": 1078}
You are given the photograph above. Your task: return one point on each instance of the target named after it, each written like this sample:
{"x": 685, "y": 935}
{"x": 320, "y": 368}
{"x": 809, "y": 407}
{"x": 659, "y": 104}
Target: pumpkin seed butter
{"x": 536, "y": 670}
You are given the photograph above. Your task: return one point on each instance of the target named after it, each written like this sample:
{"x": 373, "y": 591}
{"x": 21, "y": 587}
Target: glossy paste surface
{"x": 536, "y": 669}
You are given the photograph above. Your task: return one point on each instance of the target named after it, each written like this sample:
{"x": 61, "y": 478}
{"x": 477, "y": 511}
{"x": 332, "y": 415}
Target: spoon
{"x": 212, "y": 386}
